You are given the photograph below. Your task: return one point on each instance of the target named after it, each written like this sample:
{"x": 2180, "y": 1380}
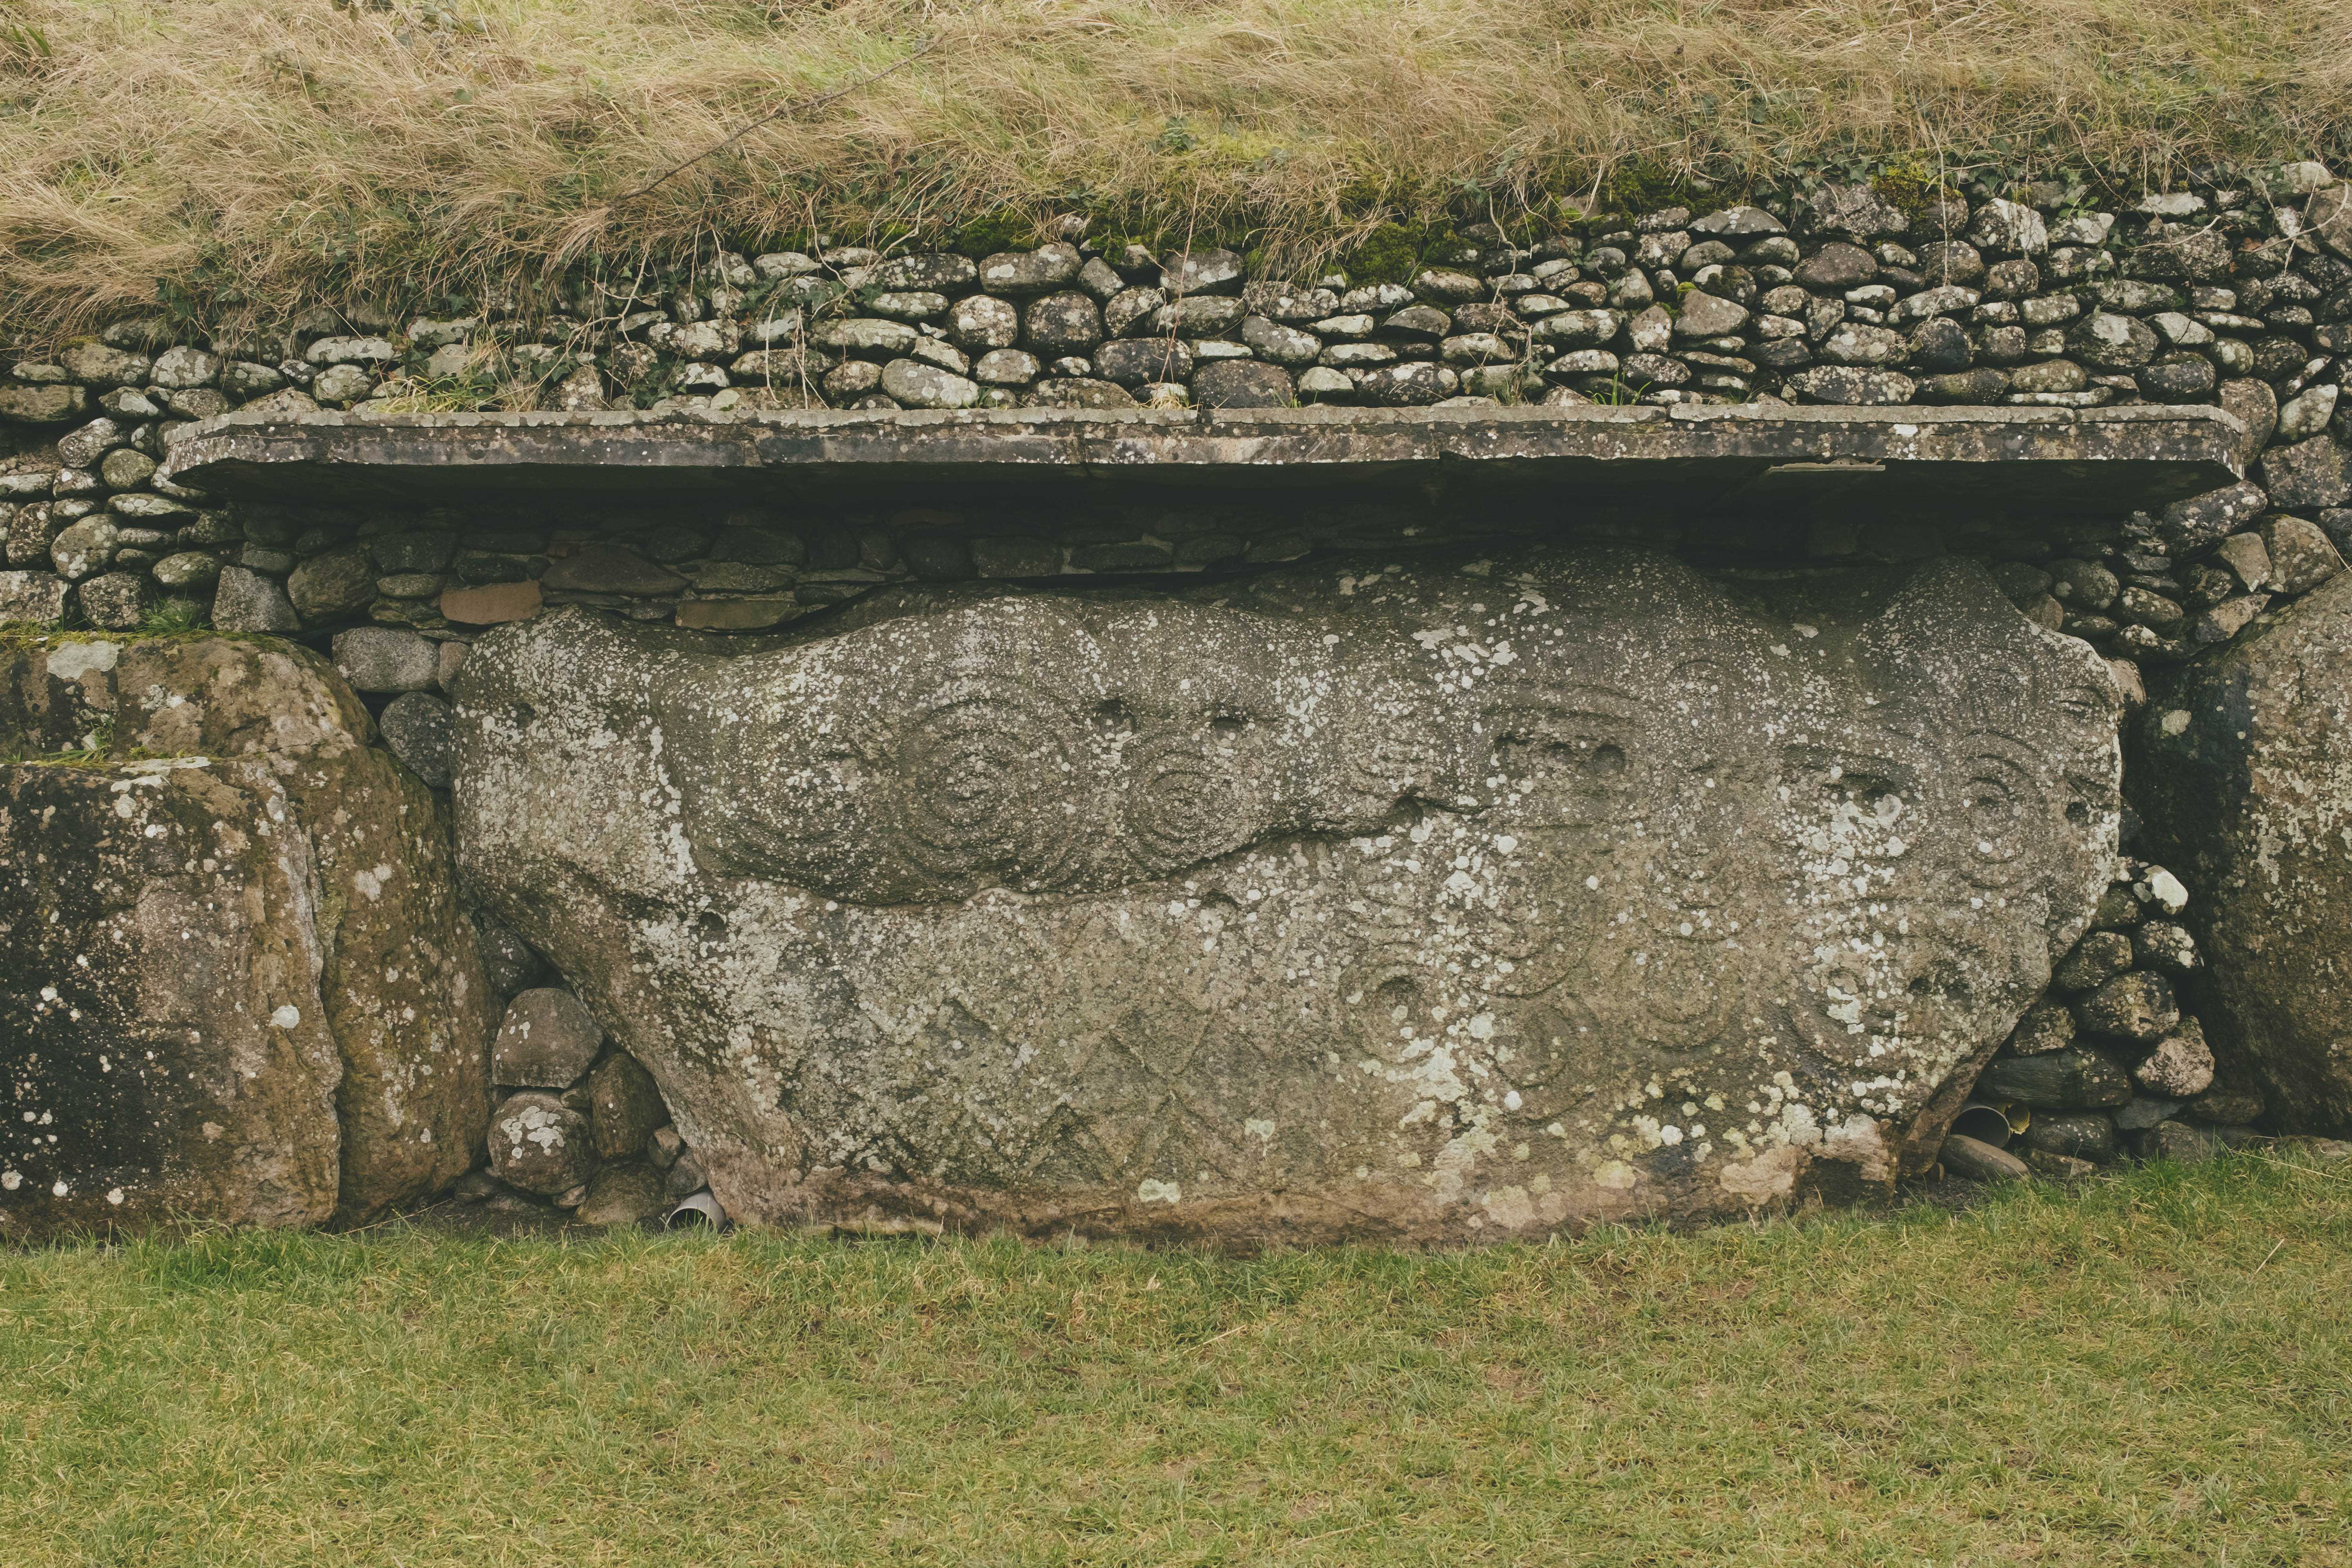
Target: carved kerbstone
{"x": 1362, "y": 900}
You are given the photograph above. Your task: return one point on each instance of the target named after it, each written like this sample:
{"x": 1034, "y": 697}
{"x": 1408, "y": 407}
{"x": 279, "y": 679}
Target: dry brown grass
{"x": 292, "y": 150}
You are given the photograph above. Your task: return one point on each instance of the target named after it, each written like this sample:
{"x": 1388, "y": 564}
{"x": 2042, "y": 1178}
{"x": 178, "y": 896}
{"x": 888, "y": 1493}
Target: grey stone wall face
{"x": 1480, "y": 898}
{"x": 2240, "y": 299}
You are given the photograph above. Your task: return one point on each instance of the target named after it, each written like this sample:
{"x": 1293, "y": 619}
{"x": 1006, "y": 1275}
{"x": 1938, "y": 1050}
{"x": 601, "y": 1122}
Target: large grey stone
{"x": 290, "y": 1021}
{"x": 2245, "y": 775}
{"x": 1341, "y": 901}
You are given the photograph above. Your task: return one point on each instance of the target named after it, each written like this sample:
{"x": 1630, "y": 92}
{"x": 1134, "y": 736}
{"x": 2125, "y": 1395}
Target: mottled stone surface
{"x": 1472, "y": 899}
{"x": 164, "y": 1049}
{"x": 2244, "y": 772}
{"x": 394, "y": 981}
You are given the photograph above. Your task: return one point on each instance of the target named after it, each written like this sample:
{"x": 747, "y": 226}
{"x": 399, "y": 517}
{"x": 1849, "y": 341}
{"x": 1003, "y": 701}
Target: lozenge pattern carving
{"x": 1362, "y": 898}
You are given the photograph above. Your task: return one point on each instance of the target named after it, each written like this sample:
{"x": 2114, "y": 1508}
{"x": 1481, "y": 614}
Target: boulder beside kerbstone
{"x": 2244, "y": 776}
{"x": 395, "y": 980}
{"x": 165, "y": 1049}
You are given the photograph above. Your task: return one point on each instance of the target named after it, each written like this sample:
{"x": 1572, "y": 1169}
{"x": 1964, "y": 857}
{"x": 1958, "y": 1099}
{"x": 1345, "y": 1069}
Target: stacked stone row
{"x": 579, "y": 1126}
{"x": 2108, "y": 1063}
{"x": 2238, "y": 296}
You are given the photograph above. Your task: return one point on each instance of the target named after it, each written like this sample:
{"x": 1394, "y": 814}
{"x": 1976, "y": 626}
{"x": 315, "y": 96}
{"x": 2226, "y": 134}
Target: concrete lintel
{"x": 2017, "y": 462}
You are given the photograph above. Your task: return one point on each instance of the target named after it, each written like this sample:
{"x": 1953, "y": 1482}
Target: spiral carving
{"x": 986, "y": 782}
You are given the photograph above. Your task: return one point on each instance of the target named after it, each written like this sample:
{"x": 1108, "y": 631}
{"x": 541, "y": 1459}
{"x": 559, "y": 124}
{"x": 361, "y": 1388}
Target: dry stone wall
{"x": 2181, "y": 1017}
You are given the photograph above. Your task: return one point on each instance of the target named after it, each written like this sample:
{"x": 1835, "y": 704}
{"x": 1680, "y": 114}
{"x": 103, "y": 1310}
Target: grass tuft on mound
{"x": 2151, "y": 1368}
{"x": 270, "y": 153}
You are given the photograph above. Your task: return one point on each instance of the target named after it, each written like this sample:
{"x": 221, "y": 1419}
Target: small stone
{"x": 385, "y": 658}
{"x": 1939, "y": 345}
{"x": 2307, "y": 414}
{"x": 2098, "y": 958}
{"x": 1737, "y": 223}
{"x": 2139, "y": 1005}
{"x": 187, "y": 569}
{"x": 1064, "y": 323}
{"x": 1980, "y": 1161}
{"x": 42, "y": 405}
{"x": 124, "y": 469}
{"x": 2182, "y": 1142}
{"x": 2301, "y": 557}
{"x": 1250, "y": 383}
{"x": 2226, "y": 1106}
{"x": 1703, "y": 315}
{"x": 539, "y": 1144}
{"x": 2075, "y": 1078}
{"x": 509, "y": 964}
{"x": 1011, "y": 367}
{"x": 1021, "y": 274}
{"x": 624, "y": 1107}
{"x": 1137, "y": 362}
{"x": 2162, "y": 945}
{"x": 1199, "y": 316}
{"x": 2107, "y": 342}
{"x": 919, "y": 386}
{"x": 1079, "y": 391}
{"x": 1416, "y": 383}
{"x": 82, "y": 449}
{"x": 415, "y": 728}
{"x": 1852, "y": 385}
{"x": 245, "y": 601}
{"x": 628, "y": 1193}
{"x": 2060, "y": 1167}
{"x": 343, "y": 384}
{"x": 2248, "y": 557}
{"x": 2177, "y": 378}
{"x": 96, "y": 365}
{"x": 116, "y": 601}
{"x": 351, "y": 351}
{"x": 2307, "y": 474}
{"x": 2143, "y": 1112}
{"x": 1278, "y": 344}
{"x": 2181, "y": 1066}
{"x": 546, "y": 1040}
{"x": 685, "y": 1177}
{"x": 2228, "y": 618}
{"x": 2082, "y": 1135}
{"x": 1321, "y": 383}
{"x": 37, "y": 598}
{"x": 664, "y": 1147}
{"x": 246, "y": 380}
{"x": 184, "y": 368}
{"x": 2188, "y": 526}
{"x": 2047, "y": 1027}
{"x": 492, "y": 603}
{"x": 2009, "y": 228}
{"x": 84, "y": 547}
{"x": 608, "y": 569}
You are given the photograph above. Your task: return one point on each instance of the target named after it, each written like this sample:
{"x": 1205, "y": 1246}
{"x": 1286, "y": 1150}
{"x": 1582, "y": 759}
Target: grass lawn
{"x": 2156, "y": 1368}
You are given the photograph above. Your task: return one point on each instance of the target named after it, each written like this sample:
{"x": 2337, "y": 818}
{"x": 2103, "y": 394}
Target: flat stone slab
{"x": 1918, "y": 461}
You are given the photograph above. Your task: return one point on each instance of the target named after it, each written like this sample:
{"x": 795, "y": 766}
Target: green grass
{"x": 2157, "y": 1368}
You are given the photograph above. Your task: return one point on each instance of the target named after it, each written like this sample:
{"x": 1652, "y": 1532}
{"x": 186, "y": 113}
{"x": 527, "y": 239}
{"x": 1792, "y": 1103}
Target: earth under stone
{"x": 1365, "y": 898}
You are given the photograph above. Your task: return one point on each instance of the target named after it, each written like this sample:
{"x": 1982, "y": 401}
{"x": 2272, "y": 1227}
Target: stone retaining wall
{"x": 2239, "y": 297}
